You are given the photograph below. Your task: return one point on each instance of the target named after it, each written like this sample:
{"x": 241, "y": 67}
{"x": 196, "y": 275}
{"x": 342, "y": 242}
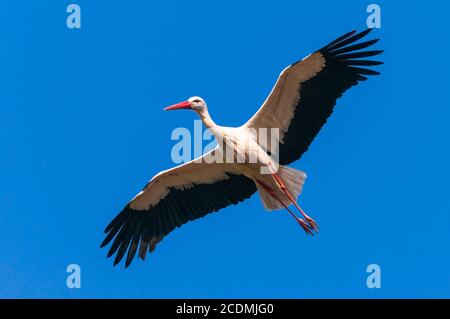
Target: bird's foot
{"x": 305, "y": 226}
{"x": 312, "y": 224}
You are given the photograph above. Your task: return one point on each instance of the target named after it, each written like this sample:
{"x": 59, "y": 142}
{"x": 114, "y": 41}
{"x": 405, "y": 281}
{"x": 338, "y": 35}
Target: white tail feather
{"x": 293, "y": 179}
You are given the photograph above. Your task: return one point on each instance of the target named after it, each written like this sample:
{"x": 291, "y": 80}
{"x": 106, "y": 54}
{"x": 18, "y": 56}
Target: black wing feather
{"x": 318, "y": 95}
{"x": 140, "y": 231}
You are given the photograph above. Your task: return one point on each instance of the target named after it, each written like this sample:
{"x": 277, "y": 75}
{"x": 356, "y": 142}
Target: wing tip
{"x": 347, "y": 39}
{"x": 128, "y": 263}
{"x": 104, "y": 243}
{"x": 339, "y": 39}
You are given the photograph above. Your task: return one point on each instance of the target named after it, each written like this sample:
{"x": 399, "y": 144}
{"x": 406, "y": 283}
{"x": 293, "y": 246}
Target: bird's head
{"x": 195, "y": 103}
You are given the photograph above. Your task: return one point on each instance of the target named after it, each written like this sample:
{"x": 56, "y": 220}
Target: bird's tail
{"x": 293, "y": 180}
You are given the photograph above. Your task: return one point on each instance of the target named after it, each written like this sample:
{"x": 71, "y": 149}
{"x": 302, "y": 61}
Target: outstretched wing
{"x": 171, "y": 199}
{"x": 305, "y": 94}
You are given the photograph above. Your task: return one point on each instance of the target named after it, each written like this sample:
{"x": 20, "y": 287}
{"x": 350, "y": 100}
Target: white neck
{"x": 206, "y": 119}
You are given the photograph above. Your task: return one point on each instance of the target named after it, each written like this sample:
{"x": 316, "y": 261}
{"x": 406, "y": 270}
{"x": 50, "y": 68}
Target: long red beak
{"x": 179, "y": 106}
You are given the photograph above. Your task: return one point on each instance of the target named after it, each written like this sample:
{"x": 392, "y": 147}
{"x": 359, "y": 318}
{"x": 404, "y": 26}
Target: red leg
{"x": 312, "y": 224}
{"x": 300, "y": 221}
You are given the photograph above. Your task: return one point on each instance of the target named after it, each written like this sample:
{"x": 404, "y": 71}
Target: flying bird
{"x": 299, "y": 104}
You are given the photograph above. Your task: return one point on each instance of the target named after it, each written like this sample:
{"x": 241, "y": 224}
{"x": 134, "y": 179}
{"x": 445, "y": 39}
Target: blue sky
{"x": 82, "y": 130}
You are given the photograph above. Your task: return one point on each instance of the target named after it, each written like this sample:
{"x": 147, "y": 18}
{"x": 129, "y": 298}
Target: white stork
{"x": 299, "y": 105}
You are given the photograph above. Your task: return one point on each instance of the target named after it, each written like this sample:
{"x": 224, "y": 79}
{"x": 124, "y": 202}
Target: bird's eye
{"x": 196, "y": 101}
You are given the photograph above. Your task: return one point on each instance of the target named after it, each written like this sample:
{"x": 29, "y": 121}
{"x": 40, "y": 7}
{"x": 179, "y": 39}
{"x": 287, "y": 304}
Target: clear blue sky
{"x": 82, "y": 130}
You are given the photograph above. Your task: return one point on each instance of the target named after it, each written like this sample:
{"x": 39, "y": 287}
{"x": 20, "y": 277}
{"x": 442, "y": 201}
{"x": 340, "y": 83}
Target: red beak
{"x": 179, "y": 106}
